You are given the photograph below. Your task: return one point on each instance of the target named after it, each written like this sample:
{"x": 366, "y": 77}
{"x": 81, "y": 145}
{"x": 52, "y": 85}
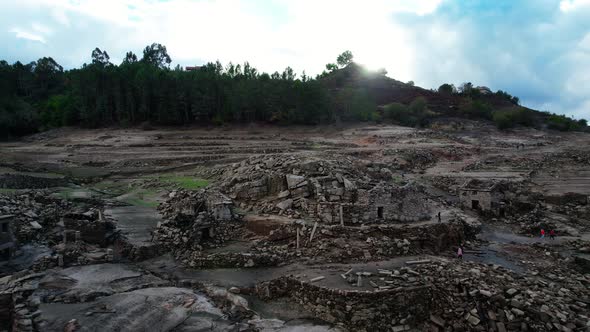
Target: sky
{"x": 538, "y": 50}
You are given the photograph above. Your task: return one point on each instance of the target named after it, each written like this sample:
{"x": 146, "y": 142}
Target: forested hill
{"x": 41, "y": 95}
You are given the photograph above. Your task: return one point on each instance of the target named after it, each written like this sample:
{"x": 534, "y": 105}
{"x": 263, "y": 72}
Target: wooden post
{"x": 341, "y": 215}
{"x": 297, "y": 237}
{"x": 315, "y": 226}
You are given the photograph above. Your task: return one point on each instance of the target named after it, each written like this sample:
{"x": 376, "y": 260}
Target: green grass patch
{"x": 65, "y": 193}
{"x": 185, "y": 182}
{"x": 112, "y": 187}
{"x": 8, "y": 191}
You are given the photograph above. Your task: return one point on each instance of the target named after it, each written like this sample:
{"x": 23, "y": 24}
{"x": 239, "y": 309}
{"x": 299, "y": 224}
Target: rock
{"x": 437, "y": 320}
{"x": 294, "y": 181}
{"x": 516, "y": 304}
{"x": 518, "y": 312}
{"x": 473, "y": 320}
{"x": 234, "y": 290}
{"x": 284, "y": 194}
{"x": 35, "y": 225}
{"x": 31, "y": 214}
{"x": 286, "y": 204}
{"x": 511, "y": 292}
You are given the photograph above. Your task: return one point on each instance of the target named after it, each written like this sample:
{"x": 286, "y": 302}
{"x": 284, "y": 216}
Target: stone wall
{"x": 196, "y": 219}
{"x": 19, "y": 181}
{"x": 92, "y": 231}
{"x": 382, "y": 310}
{"x": 332, "y": 191}
{"x": 483, "y": 197}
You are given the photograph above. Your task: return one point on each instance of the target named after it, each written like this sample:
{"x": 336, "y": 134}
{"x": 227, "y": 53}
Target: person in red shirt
{"x": 552, "y": 234}
{"x": 542, "y": 233}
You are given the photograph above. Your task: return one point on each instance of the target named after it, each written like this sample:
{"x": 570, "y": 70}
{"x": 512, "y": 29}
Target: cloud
{"x": 537, "y": 50}
{"x": 572, "y": 5}
{"x": 20, "y": 33}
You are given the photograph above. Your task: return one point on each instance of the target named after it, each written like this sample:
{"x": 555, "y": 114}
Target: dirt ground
{"x": 130, "y": 171}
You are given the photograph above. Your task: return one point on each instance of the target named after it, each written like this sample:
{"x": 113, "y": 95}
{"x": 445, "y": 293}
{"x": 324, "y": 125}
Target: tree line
{"x": 41, "y": 95}
{"x": 144, "y": 89}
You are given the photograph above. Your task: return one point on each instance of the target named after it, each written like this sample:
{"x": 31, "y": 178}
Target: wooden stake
{"x": 315, "y": 226}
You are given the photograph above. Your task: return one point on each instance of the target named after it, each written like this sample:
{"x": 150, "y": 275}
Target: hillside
{"x": 385, "y": 90}
{"x": 42, "y": 95}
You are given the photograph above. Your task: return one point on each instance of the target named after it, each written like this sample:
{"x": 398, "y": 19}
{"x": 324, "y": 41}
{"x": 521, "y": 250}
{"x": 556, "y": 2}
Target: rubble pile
{"x": 196, "y": 219}
{"x": 446, "y": 295}
{"x": 350, "y": 244}
{"x": 546, "y": 161}
{"x": 331, "y": 244}
{"x": 471, "y": 296}
{"x": 35, "y": 213}
{"x": 345, "y": 191}
{"x": 384, "y": 310}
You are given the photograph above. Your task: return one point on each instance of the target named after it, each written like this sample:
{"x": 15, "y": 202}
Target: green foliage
{"x": 505, "y": 95}
{"x": 447, "y": 89}
{"x": 185, "y": 182}
{"x": 509, "y": 118}
{"x": 331, "y": 67}
{"x": 355, "y": 104}
{"x": 344, "y": 58}
{"x": 476, "y": 109}
{"x": 17, "y": 117}
{"x": 100, "y": 58}
{"x": 156, "y": 55}
{"x": 59, "y": 110}
{"x": 466, "y": 88}
{"x": 41, "y": 95}
{"x": 415, "y": 114}
{"x": 563, "y": 123}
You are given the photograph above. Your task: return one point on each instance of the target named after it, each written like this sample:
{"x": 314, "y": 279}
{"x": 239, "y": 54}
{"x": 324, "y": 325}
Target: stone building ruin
{"x": 330, "y": 191}
{"x": 195, "y": 219}
{"x": 484, "y": 196}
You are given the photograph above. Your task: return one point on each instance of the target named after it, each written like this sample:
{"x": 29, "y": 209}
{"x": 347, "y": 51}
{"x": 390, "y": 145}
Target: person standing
{"x": 438, "y": 215}
{"x": 460, "y": 252}
{"x": 552, "y": 234}
{"x": 542, "y": 233}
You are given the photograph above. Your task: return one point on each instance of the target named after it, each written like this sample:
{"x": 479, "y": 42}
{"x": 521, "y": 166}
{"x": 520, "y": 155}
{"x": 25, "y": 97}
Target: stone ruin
{"x": 481, "y": 195}
{"x": 332, "y": 191}
{"x": 196, "y": 219}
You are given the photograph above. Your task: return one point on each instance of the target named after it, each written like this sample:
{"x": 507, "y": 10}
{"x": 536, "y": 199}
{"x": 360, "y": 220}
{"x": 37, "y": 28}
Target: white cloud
{"x": 60, "y": 16}
{"x": 536, "y": 50}
{"x": 41, "y": 29}
{"x": 22, "y": 34}
{"x": 572, "y": 5}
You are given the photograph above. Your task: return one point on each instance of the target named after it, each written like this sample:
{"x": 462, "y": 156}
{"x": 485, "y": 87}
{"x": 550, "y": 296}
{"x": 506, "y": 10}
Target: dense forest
{"x": 42, "y": 95}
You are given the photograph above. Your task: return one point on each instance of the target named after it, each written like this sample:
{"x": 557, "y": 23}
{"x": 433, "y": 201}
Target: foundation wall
{"x": 356, "y": 310}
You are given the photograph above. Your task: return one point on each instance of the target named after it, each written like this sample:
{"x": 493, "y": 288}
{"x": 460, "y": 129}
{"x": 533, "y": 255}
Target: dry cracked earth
{"x": 261, "y": 228}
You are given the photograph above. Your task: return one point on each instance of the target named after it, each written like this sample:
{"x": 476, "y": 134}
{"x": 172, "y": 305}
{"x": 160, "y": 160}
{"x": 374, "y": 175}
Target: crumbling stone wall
{"x": 20, "y": 181}
{"x": 356, "y": 310}
{"x": 333, "y": 191}
{"x": 193, "y": 219}
{"x": 92, "y": 229}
